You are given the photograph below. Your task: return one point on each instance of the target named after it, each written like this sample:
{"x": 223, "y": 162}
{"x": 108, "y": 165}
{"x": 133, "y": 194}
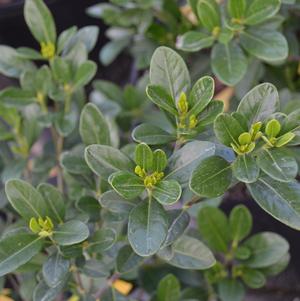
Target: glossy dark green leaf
{"x": 147, "y": 227}
{"x": 210, "y": 113}
{"x": 193, "y": 41}
{"x": 240, "y": 223}
{"x": 40, "y": 21}
{"x": 214, "y": 228}
{"x": 70, "y": 233}
{"x": 211, "y": 177}
{"x": 95, "y": 268}
{"x": 167, "y": 192}
{"x": 89, "y": 205}
{"x": 104, "y": 160}
{"x": 264, "y": 44}
{"x": 102, "y": 240}
{"x": 25, "y": 199}
{"x": 168, "y": 289}
{"x": 190, "y": 253}
{"x": 228, "y": 63}
{"x": 277, "y": 164}
{"x": 259, "y": 103}
{"x": 245, "y": 168}
{"x": 55, "y": 201}
{"x": 93, "y": 127}
{"x": 55, "y": 269}
{"x": 43, "y": 292}
{"x": 279, "y": 199}
{"x": 126, "y": 184}
{"x": 266, "y": 249}
{"x": 168, "y": 69}
{"x": 151, "y": 135}
{"x": 231, "y": 290}
{"x": 17, "y": 249}
{"x": 127, "y": 260}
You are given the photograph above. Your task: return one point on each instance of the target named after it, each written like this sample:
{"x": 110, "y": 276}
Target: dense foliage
{"x": 125, "y": 189}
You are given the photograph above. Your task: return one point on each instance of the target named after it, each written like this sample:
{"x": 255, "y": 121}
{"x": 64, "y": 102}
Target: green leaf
{"x": 259, "y": 103}
{"x": 55, "y": 269}
{"x": 29, "y": 53}
{"x": 210, "y": 113}
{"x": 54, "y": 200}
{"x": 168, "y": 69}
{"x": 266, "y": 249}
{"x": 237, "y": 8}
{"x": 266, "y": 45}
{"x": 160, "y": 160}
{"x": 11, "y": 64}
{"x": 147, "y": 227}
{"x": 245, "y": 168}
{"x": 240, "y": 223}
{"x": 43, "y": 292}
{"x": 152, "y": 135}
{"x": 95, "y": 269}
{"x": 161, "y": 98}
{"x": 168, "y": 289}
{"x": 193, "y": 41}
{"x": 228, "y": 63}
{"x": 40, "y": 21}
{"x": 126, "y": 184}
{"x": 277, "y": 164}
{"x": 16, "y": 97}
{"x": 143, "y": 156}
{"x": 258, "y": 11}
{"x": 127, "y": 260}
{"x": 93, "y": 127}
{"x": 25, "y": 199}
{"x": 208, "y": 13}
{"x": 231, "y": 290}
{"x": 84, "y": 74}
{"x": 167, "y": 192}
{"x": 104, "y": 160}
{"x": 178, "y": 222}
{"x": 191, "y": 253}
{"x": 16, "y": 250}
{"x": 211, "y": 178}
{"x": 253, "y": 278}
{"x": 277, "y": 267}
{"x": 102, "y": 240}
{"x": 65, "y": 37}
{"x": 70, "y": 233}
{"x": 201, "y": 94}
{"x": 61, "y": 69}
{"x": 279, "y": 199}
{"x": 214, "y": 228}
{"x": 112, "y": 49}
{"x": 89, "y": 205}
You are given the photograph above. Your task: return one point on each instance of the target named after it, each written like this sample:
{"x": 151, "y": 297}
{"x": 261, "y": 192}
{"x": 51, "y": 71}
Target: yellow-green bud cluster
{"x": 47, "y": 50}
{"x": 216, "y": 31}
{"x": 272, "y": 131}
{"x": 42, "y": 227}
{"x": 150, "y": 180}
{"x": 246, "y": 140}
{"x": 183, "y": 107}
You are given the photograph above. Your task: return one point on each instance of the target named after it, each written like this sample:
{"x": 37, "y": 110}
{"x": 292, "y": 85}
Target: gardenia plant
{"x": 98, "y": 215}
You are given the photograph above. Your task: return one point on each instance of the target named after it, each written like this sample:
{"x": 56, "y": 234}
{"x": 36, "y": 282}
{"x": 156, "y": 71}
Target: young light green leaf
{"x": 160, "y": 160}
{"x": 127, "y": 260}
{"x": 240, "y": 223}
{"x": 104, "y": 160}
{"x": 16, "y": 250}
{"x": 228, "y": 63}
{"x": 214, "y": 228}
{"x": 84, "y": 74}
{"x": 190, "y": 253}
{"x": 93, "y": 127}
{"x": 70, "y": 233}
{"x": 16, "y": 97}
{"x": 147, "y": 227}
{"x": 143, "y": 156}
{"x": 259, "y": 103}
{"x": 167, "y": 192}
{"x": 209, "y": 14}
{"x": 259, "y": 11}
{"x": 126, "y": 184}
{"x": 168, "y": 289}
{"x": 237, "y": 8}
{"x": 168, "y": 69}
{"x": 253, "y": 278}
{"x": 25, "y": 199}
{"x": 211, "y": 177}
{"x": 55, "y": 269}
{"x": 278, "y": 164}
{"x": 55, "y": 201}
{"x": 279, "y": 199}
{"x": 40, "y": 21}
{"x": 61, "y": 69}
{"x": 193, "y": 41}
{"x": 269, "y": 46}
{"x": 266, "y": 249}
{"x": 245, "y": 168}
